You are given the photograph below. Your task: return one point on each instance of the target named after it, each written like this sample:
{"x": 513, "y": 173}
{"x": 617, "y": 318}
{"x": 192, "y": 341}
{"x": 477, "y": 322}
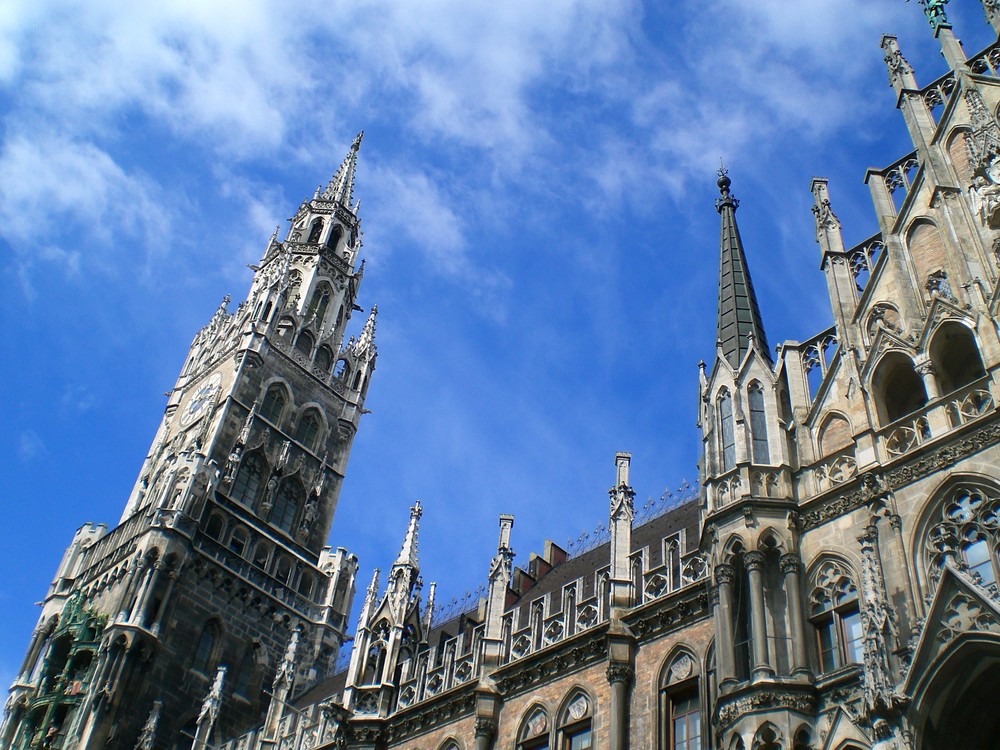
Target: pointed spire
{"x": 739, "y": 317}
{"x": 408, "y": 552}
{"x": 147, "y": 737}
{"x": 366, "y": 339}
{"x": 341, "y": 185}
{"x": 286, "y": 670}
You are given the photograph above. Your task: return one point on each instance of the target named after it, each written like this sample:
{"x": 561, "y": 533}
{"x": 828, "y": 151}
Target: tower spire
{"x": 408, "y": 552}
{"x": 341, "y": 185}
{"x": 739, "y": 315}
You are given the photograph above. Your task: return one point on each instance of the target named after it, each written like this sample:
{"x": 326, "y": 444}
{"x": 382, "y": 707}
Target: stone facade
{"x": 831, "y": 583}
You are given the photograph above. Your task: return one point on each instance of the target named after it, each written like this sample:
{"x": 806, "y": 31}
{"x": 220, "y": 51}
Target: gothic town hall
{"x": 832, "y": 583}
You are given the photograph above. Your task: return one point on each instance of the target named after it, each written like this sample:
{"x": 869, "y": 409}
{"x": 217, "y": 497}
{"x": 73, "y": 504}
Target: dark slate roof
{"x": 739, "y": 316}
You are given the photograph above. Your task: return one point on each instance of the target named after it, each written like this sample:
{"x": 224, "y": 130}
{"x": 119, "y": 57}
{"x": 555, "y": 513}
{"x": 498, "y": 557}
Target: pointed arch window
{"x": 286, "y": 505}
{"x": 319, "y": 302}
{"x": 274, "y": 404}
{"x": 758, "y": 424}
{"x": 534, "y": 734}
{"x": 967, "y": 526}
{"x": 836, "y": 618}
{"x": 205, "y": 648}
{"x": 315, "y": 231}
{"x": 324, "y": 358}
{"x": 241, "y": 680}
{"x": 335, "y": 235}
{"x": 680, "y": 704}
{"x": 575, "y": 730}
{"x": 727, "y": 431}
{"x": 247, "y": 485}
{"x": 308, "y": 428}
{"x": 304, "y": 343}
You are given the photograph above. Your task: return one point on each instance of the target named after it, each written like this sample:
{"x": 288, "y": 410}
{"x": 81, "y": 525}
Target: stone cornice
{"x": 677, "y": 610}
{"x": 427, "y": 715}
{"x": 582, "y": 650}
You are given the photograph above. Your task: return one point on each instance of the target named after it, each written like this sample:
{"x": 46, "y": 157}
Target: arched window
{"x": 286, "y": 505}
{"x": 835, "y": 616}
{"x": 534, "y": 733}
{"x": 244, "y": 672}
{"x": 955, "y": 356}
{"x": 324, "y": 358}
{"x": 680, "y": 704}
{"x": 304, "y": 343}
{"x": 205, "y": 649}
{"x": 758, "y": 424}
{"x": 261, "y": 554}
{"x": 967, "y": 525}
{"x": 248, "y": 479}
{"x": 215, "y": 526}
{"x": 341, "y": 370}
{"x": 286, "y": 327}
{"x": 727, "y": 432}
{"x": 305, "y": 587}
{"x": 768, "y": 737}
{"x": 899, "y": 389}
{"x": 308, "y": 428}
{"x": 319, "y": 302}
{"x": 239, "y": 542}
{"x": 283, "y": 570}
{"x": 274, "y": 404}
{"x": 575, "y": 724}
{"x": 315, "y": 231}
{"x": 335, "y": 234}
{"x": 357, "y": 380}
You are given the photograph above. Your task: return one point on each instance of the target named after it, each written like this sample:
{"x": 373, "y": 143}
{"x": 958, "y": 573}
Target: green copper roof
{"x": 739, "y": 316}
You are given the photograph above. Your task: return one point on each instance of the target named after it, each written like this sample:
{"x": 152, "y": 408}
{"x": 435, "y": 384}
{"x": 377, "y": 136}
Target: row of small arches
{"x": 261, "y": 554}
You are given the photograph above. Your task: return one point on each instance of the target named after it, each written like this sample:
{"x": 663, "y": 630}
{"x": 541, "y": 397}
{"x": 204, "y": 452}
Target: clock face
{"x": 199, "y": 401}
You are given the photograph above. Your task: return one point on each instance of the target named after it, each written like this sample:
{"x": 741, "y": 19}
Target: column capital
{"x": 485, "y": 727}
{"x": 790, "y": 563}
{"x": 725, "y": 574}
{"x": 618, "y": 672}
{"x": 754, "y": 560}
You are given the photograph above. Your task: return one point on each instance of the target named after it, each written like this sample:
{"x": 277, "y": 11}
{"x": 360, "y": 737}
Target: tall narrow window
{"x": 685, "y": 721}
{"x": 308, "y": 428}
{"x": 274, "y": 404}
{"x": 534, "y": 734}
{"x": 315, "y": 231}
{"x": 304, "y": 343}
{"x": 286, "y": 505}
{"x": 248, "y": 479}
{"x": 835, "y": 617}
{"x": 727, "y": 431}
{"x": 202, "y": 661}
{"x": 241, "y": 680}
{"x": 575, "y": 731}
{"x": 319, "y": 302}
{"x": 758, "y": 424}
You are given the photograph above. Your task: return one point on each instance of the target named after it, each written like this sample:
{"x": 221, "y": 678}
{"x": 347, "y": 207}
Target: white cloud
{"x": 29, "y": 446}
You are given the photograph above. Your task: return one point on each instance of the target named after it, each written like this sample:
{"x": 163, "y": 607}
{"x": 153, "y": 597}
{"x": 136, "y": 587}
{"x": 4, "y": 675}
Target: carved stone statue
{"x": 985, "y": 195}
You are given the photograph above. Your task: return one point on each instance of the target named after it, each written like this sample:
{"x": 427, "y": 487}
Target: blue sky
{"x": 537, "y": 184}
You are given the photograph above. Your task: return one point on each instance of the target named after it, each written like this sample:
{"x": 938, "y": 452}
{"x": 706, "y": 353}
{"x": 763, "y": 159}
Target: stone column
{"x": 172, "y": 576}
{"x": 754, "y": 562}
{"x": 725, "y": 577}
{"x": 620, "y": 676}
{"x": 928, "y": 374}
{"x": 791, "y": 567}
{"x": 486, "y": 730}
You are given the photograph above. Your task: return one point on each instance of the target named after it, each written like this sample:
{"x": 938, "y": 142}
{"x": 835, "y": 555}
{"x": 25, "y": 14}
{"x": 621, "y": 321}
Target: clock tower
{"x": 219, "y": 555}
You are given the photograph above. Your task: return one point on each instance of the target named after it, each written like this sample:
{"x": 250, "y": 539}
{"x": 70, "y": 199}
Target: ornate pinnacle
{"x": 408, "y": 552}
{"x": 366, "y": 339}
{"x": 147, "y": 737}
{"x": 341, "y": 185}
{"x": 286, "y": 670}
{"x": 210, "y": 708}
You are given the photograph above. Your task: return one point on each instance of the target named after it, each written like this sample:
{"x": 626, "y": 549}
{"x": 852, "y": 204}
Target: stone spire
{"x": 366, "y": 339}
{"x": 408, "y": 552}
{"x": 739, "y": 316}
{"x": 147, "y": 737}
{"x": 341, "y": 185}
{"x": 209, "y": 711}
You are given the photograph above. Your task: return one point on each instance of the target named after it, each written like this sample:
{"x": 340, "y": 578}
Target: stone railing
{"x": 836, "y": 469}
{"x": 898, "y": 174}
{"x": 253, "y": 575}
{"x": 987, "y": 62}
{"x": 936, "y": 93}
{"x": 936, "y": 419}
